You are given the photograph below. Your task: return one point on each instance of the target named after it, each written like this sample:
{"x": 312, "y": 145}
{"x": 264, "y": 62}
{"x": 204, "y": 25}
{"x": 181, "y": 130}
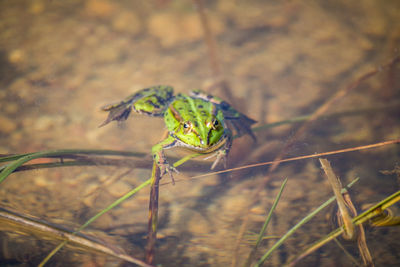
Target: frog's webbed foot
{"x": 165, "y": 167}
{"x": 118, "y": 112}
{"x": 220, "y": 155}
{"x": 242, "y": 125}
{"x": 222, "y": 152}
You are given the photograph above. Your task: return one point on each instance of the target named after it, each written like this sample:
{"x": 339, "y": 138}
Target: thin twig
{"x": 317, "y": 155}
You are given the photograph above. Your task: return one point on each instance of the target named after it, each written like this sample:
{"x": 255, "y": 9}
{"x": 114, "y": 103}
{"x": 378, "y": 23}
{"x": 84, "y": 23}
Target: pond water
{"x": 61, "y": 61}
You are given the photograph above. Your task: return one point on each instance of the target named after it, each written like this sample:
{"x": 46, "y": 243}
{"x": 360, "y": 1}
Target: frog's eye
{"x": 185, "y": 125}
{"x": 215, "y": 123}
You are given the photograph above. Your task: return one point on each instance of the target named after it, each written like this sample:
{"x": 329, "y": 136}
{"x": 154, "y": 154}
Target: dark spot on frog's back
{"x": 152, "y": 104}
{"x": 224, "y": 105}
{"x": 200, "y": 106}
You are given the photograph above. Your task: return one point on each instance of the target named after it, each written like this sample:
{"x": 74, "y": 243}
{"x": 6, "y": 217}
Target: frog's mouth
{"x": 215, "y": 146}
{"x": 198, "y": 149}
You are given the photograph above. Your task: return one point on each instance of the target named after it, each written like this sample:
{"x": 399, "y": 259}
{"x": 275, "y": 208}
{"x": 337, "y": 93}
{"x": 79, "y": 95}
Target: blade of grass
{"x": 363, "y": 217}
{"x": 267, "y": 220}
{"x": 377, "y": 209}
{"x": 387, "y": 219}
{"x": 58, "y": 153}
{"x": 297, "y": 226}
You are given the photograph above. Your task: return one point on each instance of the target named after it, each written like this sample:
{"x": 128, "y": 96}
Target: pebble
{"x": 117, "y": 189}
{"x": 198, "y": 225}
{"x": 3, "y": 94}
{"x": 37, "y": 7}
{"x": 7, "y": 125}
{"x": 234, "y": 204}
{"x": 172, "y": 29}
{"x": 21, "y": 88}
{"x": 16, "y": 56}
{"x": 4, "y": 150}
{"x": 99, "y": 8}
{"x": 46, "y": 122}
{"x": 42, "y": 181}
{"x": 11, "y": 108}
{"x": 127, "y": 22}
{"x": 105, "y": 53}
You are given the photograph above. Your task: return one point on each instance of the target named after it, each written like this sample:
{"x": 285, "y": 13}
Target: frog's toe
{"x": 220, "y": 155}
{"x": 166, "y": 168}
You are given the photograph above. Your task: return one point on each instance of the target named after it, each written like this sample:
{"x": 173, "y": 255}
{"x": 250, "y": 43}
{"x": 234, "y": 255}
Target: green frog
{"x": 199, "y": 122}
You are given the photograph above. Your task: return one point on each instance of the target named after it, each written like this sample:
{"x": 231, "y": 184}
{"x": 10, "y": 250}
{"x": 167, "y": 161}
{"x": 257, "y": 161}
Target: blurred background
{"x": 61, "y": 61}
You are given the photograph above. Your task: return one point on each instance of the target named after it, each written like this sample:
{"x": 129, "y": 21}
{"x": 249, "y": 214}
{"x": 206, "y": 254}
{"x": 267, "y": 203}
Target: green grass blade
{"x": 114, "y": 204}
{"x": 262, "y": 232}
{"x": 267, "y": 220}
{"x": 13, "y": 157}
{"x": 366, "y": 215}
{"x": 297, "y": 226}
{"x": 23, "y": 158}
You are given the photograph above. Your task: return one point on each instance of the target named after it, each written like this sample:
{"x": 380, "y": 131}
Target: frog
{"x": 197, "y": 121}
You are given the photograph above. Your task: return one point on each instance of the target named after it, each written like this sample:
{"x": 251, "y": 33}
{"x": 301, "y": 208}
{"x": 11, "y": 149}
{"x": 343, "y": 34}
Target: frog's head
{"x": 203, "y": 134}
{"x": 200, "y": 128}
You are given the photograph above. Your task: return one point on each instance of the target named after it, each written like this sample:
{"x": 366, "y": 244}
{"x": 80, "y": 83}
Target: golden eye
{"x": 185, "y": 125}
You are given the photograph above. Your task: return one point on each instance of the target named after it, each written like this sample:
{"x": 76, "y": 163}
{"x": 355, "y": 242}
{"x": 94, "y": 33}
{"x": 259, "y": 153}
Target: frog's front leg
{"x": 223, "y": 151}
{"x": 160, "y": 159}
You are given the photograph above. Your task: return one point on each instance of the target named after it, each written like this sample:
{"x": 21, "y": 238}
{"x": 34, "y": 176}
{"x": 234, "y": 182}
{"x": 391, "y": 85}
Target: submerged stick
{"x": 336, "y": 187}
{"x": 28, "y": 225}
{"x": 153, "y": 214}
{"x": 344, "y": 204}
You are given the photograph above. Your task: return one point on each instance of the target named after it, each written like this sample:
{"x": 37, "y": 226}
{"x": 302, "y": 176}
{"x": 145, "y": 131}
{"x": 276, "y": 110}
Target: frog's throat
{"x": 203, "y": 150}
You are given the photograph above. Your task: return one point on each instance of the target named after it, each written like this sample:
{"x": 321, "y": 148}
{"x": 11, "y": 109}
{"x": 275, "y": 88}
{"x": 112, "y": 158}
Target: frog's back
{"x": 152, "y": 101}
{"x": 188, "y": 109}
